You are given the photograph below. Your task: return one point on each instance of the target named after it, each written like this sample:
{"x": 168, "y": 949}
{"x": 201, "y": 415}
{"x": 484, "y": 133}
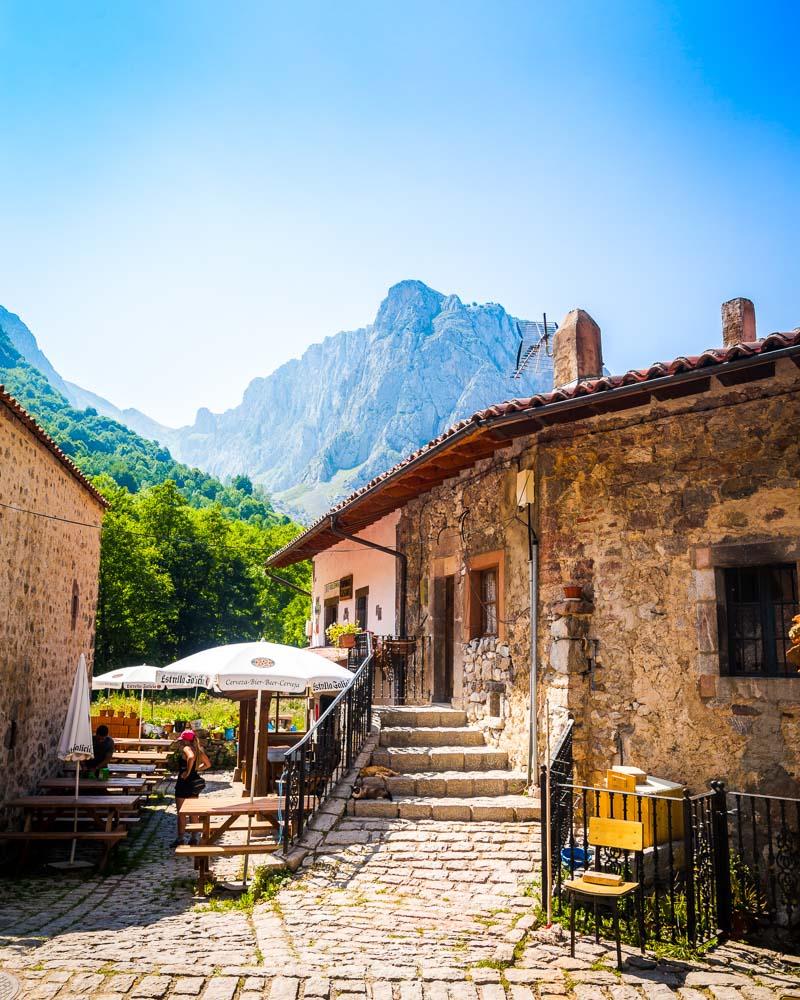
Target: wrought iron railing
{"x": 314, "y": 766}
{"x": 764, "y": 835}
{"x": 556, "y": 780}
{"x": 714, "y": 865}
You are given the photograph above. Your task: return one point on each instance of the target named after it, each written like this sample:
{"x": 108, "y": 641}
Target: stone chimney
{"x": 577, "y": 351}
{"x": 738, "y": 322}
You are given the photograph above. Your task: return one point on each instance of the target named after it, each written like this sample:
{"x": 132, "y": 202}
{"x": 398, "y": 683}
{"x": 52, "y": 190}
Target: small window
{"x": 759, "y": 604}
{"x": 488, "y": 598}
{"x": 76, "y": 603}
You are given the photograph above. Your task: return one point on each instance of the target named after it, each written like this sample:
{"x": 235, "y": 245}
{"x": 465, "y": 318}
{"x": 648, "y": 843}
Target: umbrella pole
{"x": 141, "y": 711}
{"x": 253, "y": 778}
{"x": 75, "y": 815}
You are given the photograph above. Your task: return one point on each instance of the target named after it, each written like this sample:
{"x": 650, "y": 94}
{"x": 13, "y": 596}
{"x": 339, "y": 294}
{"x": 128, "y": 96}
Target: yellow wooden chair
{"x": 619, "y": 835}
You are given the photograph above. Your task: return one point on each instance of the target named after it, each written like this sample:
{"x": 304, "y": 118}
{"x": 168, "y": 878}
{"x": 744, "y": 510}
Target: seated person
{"x": 103, "y": 747}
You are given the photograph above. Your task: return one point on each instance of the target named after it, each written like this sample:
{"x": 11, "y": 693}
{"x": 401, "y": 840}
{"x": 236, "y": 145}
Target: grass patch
{"x": 264, "y": 887}
{"x": 682, "y": 950}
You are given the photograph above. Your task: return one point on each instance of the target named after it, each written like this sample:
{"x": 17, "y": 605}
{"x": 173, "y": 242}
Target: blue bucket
{"x": 229, "y": 733}
{"x": 576, "y": 857}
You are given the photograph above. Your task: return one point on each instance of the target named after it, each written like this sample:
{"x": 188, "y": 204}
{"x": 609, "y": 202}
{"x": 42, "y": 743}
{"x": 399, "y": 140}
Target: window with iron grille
{"x": 759, "y": 604}
{"x": 488, "y": 590}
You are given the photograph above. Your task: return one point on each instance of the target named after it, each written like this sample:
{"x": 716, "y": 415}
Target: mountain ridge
{"x": 353, "y": 404}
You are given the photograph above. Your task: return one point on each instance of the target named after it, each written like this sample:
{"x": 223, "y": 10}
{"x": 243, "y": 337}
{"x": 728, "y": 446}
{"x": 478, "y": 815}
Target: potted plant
{"x": 343, "y": 635}
{"x": 573, "y": 591}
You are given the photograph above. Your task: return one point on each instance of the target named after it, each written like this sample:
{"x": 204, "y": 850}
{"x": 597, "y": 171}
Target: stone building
{"x": 50, "y": 521}
{"x": 667, "y": 502}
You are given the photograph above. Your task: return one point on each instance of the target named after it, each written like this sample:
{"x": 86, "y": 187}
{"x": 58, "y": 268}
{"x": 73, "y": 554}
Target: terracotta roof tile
{"x": 38, "y": 432}
{"x": 711, "y": 358}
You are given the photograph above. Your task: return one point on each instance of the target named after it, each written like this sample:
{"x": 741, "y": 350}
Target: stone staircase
{"x": 445, "y": 771}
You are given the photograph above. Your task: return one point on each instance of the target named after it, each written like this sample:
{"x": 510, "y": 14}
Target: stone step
{"x": 431, "y": 736}
{"x": 495, "y": 809}
{"x": 421, "y": 715}
{"x": 458, "y": 784}
{"x": 413, "y": 759}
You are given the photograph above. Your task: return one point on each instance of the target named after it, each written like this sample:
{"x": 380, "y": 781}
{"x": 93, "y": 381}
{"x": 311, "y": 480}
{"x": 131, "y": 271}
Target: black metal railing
{"x": 557, "y": 781}
{"x": 764, "y": 848}
{"x": 314, "y": 766}
{"x": 397, "y": 680}
{"x": 714, "y": 865}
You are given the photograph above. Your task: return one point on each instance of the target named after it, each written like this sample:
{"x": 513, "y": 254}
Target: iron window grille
{"x": 759, "y": 603}
{"x": 488, "y": 591}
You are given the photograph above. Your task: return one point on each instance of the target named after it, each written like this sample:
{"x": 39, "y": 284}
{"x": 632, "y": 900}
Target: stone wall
{"x": 641, "y": 509}
{"x": 441, "y": 533}
{"x": 48, "y": 597}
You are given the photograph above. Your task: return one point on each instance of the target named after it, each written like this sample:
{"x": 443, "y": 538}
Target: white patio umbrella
{"x": 76, "y": 742}
{"x": 258, "y": 666}
{"x": 140, "y": 678}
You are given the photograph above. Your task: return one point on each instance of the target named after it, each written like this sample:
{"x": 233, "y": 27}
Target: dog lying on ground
{"x": 372, "y": 788}
{"x": 376, "y": 771}
{"x": 371, "y": 783}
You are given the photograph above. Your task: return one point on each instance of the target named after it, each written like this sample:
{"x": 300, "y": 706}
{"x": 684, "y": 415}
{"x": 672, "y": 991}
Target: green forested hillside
{"x": 182, "y": 564}
{"x": 98, "y": 445}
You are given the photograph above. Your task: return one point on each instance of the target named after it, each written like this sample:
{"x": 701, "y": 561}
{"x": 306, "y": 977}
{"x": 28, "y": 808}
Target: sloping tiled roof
{"x": 664, "y": 379}
{"x": 38, "y": 432}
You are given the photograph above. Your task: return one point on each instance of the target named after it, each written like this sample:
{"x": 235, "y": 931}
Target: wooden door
{"x": 444, "y": 608}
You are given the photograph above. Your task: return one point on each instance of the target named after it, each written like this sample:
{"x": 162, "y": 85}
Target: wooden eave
{"x": 487, "y": 433}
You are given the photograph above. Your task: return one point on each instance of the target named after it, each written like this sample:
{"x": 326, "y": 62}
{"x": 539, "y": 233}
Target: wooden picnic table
{"x": 98, "y": 785}
{"x": 132, "y": 768}
{"x": 145, "y": 743}
{"x": 228, "y": 811}
{"x": 105, "y": 810}
{"x": 140, "y": 756}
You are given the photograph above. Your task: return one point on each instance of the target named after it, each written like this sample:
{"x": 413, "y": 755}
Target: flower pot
{"x": 167, "y": 727}
{"x": 573, "y": 591}
{"x": 347, "y": 641}
{"x": 229, "y": 733}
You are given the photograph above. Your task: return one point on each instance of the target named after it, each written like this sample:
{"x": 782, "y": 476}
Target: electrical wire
{"x": 51, "y": 517}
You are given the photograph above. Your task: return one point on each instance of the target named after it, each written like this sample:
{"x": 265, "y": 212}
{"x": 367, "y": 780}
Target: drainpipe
{"x": 401, "y": 558}
{"x": 533, "y": 735}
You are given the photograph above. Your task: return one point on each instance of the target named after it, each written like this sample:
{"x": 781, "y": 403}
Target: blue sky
{"x": 193, "y": 192}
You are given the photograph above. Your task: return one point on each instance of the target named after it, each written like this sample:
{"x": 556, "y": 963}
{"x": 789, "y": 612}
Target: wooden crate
{"x": 659, "y": 825}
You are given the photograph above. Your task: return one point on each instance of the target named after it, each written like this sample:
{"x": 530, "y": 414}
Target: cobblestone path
{"x": 393, "y": 909}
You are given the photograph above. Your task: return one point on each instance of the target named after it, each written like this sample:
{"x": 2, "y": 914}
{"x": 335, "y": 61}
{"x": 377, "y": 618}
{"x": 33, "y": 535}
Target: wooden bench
{"x": 109, "y": 839}
{"x": 254, "y": 827}
{"x": 202, "y": 853}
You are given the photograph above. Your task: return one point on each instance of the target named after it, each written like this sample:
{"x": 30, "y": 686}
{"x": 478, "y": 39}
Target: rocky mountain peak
{"x": 409, "y": 305}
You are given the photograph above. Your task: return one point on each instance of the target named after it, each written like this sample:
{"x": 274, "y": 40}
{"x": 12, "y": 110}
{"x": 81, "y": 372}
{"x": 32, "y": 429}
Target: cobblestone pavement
{"x": 390, "y": 910}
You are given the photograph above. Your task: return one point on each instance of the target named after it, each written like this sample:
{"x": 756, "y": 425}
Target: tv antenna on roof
{"x": 535, "y": 343}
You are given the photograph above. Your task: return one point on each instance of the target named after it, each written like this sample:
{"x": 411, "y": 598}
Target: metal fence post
{"x": 544, "y": 815}
{"x": 722, "y": 858}
{"x": 691, "y": 870}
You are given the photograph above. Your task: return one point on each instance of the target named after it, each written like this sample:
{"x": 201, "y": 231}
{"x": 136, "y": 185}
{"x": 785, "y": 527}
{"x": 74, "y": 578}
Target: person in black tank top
{"x": 189, "y": 782}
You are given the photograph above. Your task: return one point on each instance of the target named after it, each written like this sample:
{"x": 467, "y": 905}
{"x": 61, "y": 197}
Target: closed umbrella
{"x": 76, "y": 741}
